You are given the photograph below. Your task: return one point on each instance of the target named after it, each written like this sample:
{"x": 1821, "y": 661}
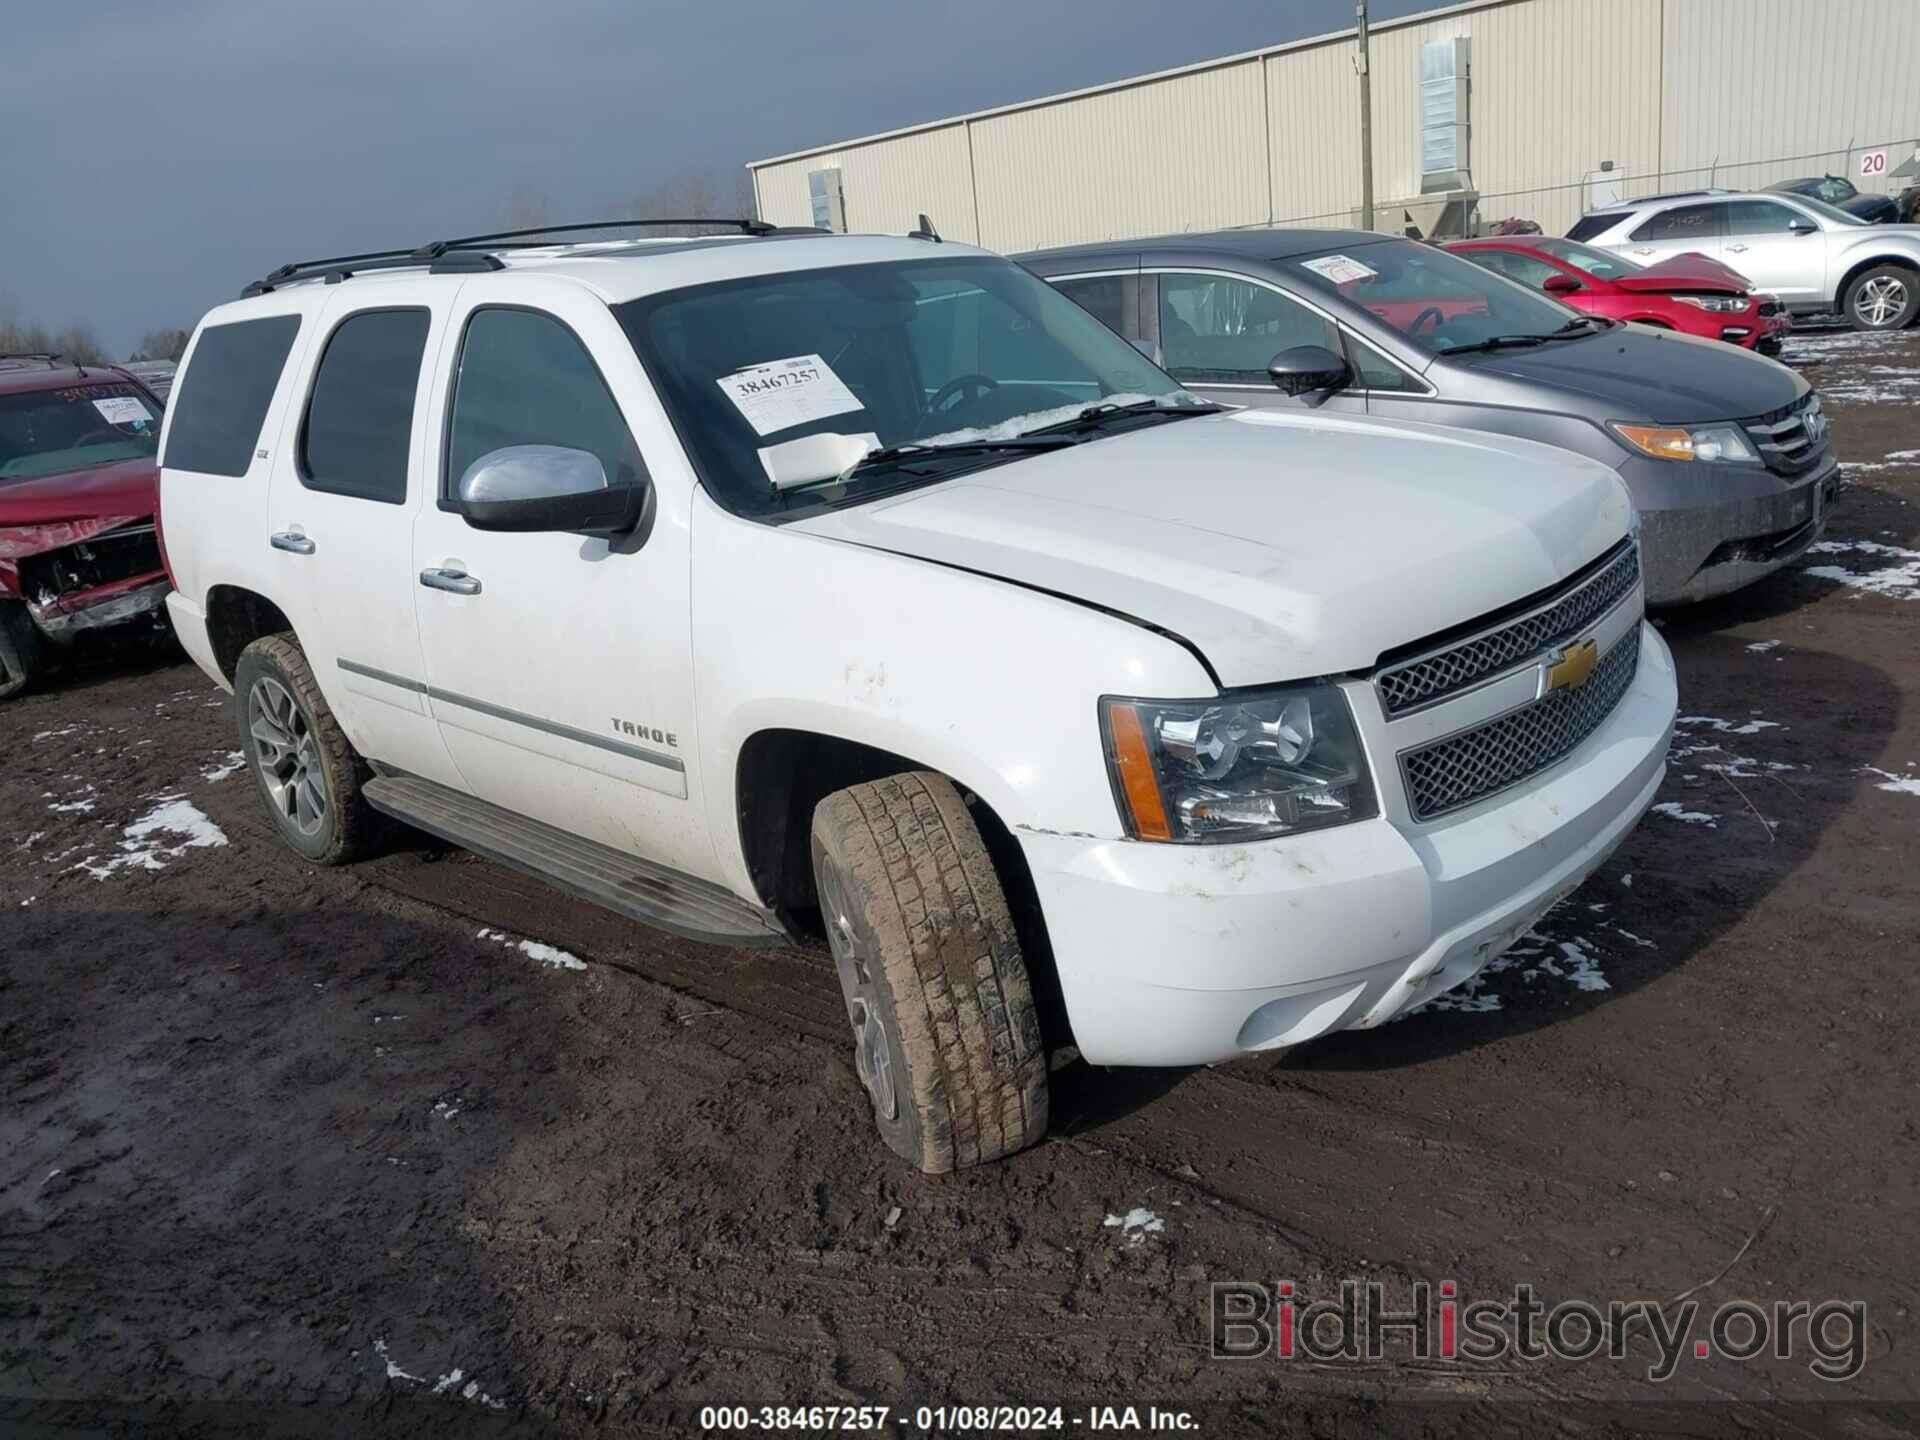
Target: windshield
{"x": 925, "y": 352}
{"x": 49, "y": 432}
{"x": 1597, "y": 263}
{"x": 1435, "y": 300}
{"x": 1827, "y": 212}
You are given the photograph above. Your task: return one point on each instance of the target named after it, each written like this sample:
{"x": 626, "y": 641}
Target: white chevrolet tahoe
{"x": 782, "y": 583}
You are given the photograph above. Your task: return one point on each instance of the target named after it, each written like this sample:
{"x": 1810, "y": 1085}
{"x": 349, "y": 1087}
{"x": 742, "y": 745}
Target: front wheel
{"x": 946, "y": 1036}
{"x": 307, "y": 773}
{"x": 1883, "y": 298}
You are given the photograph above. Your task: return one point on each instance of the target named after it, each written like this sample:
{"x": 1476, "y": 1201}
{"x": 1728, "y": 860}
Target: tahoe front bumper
{"x": 1190, "y": 954}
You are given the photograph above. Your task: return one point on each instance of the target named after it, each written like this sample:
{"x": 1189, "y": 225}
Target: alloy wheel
{"x": 287, "y": 756}
{"x": 853, "y": 956}
{"x": 1880, "y": 301}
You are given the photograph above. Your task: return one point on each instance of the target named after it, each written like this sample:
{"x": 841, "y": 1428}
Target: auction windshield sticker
{"x": 784, "y": 393}
{"x": 1340, "y": 269}
{"x": 122, "y": 410}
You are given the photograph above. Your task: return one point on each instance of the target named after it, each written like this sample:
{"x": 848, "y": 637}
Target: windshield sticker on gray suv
{"x": 1340, "y": 269}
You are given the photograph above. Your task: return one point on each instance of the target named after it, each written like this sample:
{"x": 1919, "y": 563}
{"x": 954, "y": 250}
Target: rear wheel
{"x": 946, "y": 1036}
{"x": 1883, "y": 298}
{"x": 307, "y": 773}
{"x": 22, "y": 649}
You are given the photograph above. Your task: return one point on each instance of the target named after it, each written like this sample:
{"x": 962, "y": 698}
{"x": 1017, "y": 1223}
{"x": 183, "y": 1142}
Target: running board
{"x": 651, "y": 894}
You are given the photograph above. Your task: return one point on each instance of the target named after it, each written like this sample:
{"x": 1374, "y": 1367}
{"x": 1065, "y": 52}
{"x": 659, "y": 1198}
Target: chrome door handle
{"x": 455, "y": 582}
{"x": 1738, "y": 249}
{"x": 292, "y": 541}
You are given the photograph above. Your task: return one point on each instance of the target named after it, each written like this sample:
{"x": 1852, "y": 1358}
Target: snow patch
{"x": 1899, "y": 784}
{"x": 1135, "y": 1225}
{"x": 1897, "y": 581}
{"x": 1730, "y": 727}
{"x": 82, "y": 802}
{"x": 394, "y": 1372}
{"x": 549, "y": 955}
{"x": 229, "y": 764}
{"x": 1674, "y": 810}
{"x": 144, "y": 843}
{"x": 61, "y": 733}
{"x": 1760, "y": 647}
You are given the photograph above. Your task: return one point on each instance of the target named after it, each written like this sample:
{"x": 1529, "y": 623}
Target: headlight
{"x": 1718, "y": 304}
{"x": 1699, "y": 442}
{"x": 1248, "y": 767}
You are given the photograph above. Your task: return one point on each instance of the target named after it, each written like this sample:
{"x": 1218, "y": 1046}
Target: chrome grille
{"x": 1460, "y": 769}
{"x": 1420, "y": 681}
{"x": 1790, "y": 438}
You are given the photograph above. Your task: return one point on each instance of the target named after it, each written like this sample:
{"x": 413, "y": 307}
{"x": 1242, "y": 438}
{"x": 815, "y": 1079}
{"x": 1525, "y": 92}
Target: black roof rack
{"x": 472, "y": 253}
{"x": 48, "y": 357}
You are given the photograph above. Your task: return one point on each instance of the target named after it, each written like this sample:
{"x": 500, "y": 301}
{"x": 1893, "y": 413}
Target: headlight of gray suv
{"x": 1245, "y": 767}
{"x": 1726, "y": 443}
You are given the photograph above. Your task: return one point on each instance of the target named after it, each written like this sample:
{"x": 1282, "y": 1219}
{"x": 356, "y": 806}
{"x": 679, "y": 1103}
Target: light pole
{"x": 1366, "y": 120}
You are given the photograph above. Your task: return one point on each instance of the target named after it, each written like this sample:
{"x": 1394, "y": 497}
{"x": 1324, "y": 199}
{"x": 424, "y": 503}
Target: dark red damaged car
{"x": 1692, "y": 293}
{"x": 78, "y": 494}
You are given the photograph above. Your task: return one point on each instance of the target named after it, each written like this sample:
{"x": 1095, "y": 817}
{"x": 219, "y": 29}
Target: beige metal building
{"x": 1518, "y": 120}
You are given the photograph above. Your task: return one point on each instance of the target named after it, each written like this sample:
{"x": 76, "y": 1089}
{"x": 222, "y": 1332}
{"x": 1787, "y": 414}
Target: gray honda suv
{"x": 1726, "y": 452}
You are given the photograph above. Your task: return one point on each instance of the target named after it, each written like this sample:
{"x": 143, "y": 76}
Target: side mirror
{"x": 546, "y": 487}
{"x": 1801, "y": 227}
{"x": 1309, "y": 372}
{"x": 1560, "y": 285}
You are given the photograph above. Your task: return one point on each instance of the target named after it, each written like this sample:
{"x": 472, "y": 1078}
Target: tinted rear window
{"x": 1588, "y": 226}
{"x": 219, "y": 406}
{"x": 360, "y": 418}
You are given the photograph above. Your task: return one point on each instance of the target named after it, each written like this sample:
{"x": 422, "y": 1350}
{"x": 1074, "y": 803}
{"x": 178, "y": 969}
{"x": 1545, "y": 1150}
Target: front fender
{"x": 992, "y": 684}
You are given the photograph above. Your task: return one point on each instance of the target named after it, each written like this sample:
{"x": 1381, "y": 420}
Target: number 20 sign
{"x": 1872, "y": 163}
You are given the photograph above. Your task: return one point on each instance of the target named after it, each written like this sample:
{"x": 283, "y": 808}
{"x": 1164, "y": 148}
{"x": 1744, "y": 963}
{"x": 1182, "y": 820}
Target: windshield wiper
{"x": 903, "y": 456}
{"x": 910, "y": 450}
{"x": 1497, "y": 342}
{"x": 1096, "y": 416}
{"x": 1577, "y": 326}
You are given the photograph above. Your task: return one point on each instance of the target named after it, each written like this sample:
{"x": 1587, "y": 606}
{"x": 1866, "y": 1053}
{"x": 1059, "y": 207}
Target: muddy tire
{"x": 1883, "y": 298}
{"x": 23, "y": 652}
{"x": 946, "y": 1037}
{"x": 306, "y": 772}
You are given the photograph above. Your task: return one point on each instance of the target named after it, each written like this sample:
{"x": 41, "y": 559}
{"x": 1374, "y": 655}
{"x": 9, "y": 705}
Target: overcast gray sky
{"x": 157, "y": 154}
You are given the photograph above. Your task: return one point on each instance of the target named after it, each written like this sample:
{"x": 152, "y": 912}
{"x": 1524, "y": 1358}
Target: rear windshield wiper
{"x": 1096, "y": 416}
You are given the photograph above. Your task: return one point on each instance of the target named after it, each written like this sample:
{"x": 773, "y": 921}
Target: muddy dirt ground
{"x": 335, "y": 1152}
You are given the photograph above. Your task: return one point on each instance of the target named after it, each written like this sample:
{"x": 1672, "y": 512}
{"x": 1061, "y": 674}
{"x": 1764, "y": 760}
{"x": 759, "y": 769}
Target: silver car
{"x": 1726, "y": 452}
{"x": 1816, "y": 257}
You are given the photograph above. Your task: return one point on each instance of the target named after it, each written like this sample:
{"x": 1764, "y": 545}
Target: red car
{"x": 78, "y": 494}
{"x": 1692, "y": 293}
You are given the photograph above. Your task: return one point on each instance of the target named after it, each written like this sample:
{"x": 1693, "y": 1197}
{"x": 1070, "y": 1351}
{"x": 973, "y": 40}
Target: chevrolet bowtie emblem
{"x": 1568, "y": 669}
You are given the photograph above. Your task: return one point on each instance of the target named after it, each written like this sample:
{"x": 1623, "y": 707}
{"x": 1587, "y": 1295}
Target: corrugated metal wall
{"x": 1558, "y": 87}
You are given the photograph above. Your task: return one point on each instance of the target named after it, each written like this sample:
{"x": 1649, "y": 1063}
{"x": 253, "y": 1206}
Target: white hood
{"x": 1283, "y": 544}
